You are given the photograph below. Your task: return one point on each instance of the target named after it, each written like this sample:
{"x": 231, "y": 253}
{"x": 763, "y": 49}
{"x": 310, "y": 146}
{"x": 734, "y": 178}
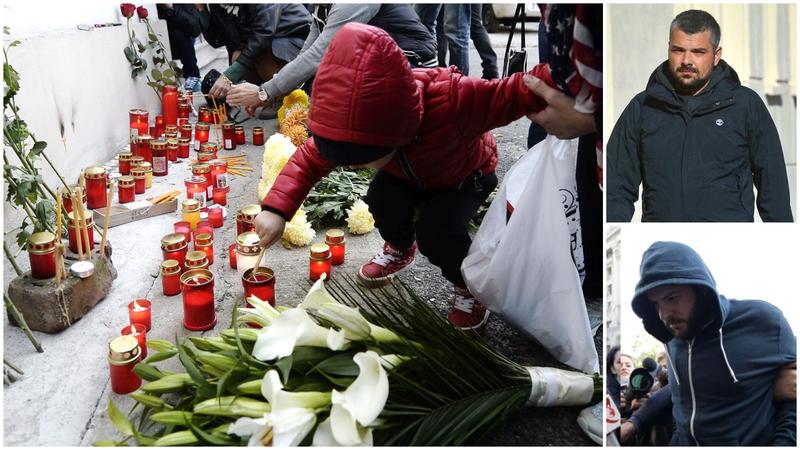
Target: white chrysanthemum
{"x": 277, "y": 151}
{"x": 298, "y": 230}
{"x": 359, "y": 219}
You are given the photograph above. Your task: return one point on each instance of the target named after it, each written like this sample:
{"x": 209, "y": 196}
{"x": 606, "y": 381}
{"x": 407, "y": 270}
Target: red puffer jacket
{"x": 366, "y": 93}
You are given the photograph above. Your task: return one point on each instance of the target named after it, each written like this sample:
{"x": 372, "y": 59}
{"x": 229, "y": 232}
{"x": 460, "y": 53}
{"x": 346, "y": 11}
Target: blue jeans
{"x": 456, "y": 29}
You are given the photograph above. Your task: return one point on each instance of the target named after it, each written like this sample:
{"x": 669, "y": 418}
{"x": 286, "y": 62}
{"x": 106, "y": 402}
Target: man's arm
{"x": 623, "y": 174}
{"x": 786, "y": 411}
{"x": 768, "y": 165}
{"x": 659, "y": 405}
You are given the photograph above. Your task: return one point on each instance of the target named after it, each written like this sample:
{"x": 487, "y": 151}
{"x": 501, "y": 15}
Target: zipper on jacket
{"x": 694, "y": 401}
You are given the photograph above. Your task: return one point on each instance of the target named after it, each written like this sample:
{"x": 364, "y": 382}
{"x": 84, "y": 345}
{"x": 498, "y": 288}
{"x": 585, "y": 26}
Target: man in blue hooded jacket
{"x": 724, "y": 355}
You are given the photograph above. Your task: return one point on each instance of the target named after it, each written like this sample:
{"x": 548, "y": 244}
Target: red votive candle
{"x": 215, "y": 214}
{"x": 183, "y": 147}
{"x": 169, "y": 104}
{"x": 139, "y": 180}
{"x": 160, "y": 158}
{"x": 125, "y": 162}
{"x": 67, "y": 199}
{"x": 220, "y": 197}
{"x": 200, "y": 134}
{"x": 143, "y": 148}
{"x": 127, "y": 186}
{"x": 335, "y": 240}
{"x": 245, "y": 218}
{"x": 319, "y": 262}
{"x": 171, "y": 277}
{"x": 202, "y": 169}
{"x": 196, "y": 259}
{"x": 229, "y": 135}
{"x": 232, "y": 255}
{"x": 196, "y": 188}
{"x": 198, "y": 300}
{"x": 139, "y": 312}
{"x": 207, "y": 152}
{"x": 123, "y": 354}
{"x": 186, "y": 131}
{"x": 42, "y": 254}
{"x": 238, "y": 133}
{"x": 96, "y": 185}
{"x": 204, "y": 226}
{"x": 184, "y": 228}
{"x": 184, "y": 109}
{"x": 138, "y": 120}
{"x": 260, "y": 282}
{"x": 174, "y": 246}
{"x": 258, "y": 136}
{"x": 139, "y": 331}
{"x": 204, "y": 242}
{"x": 73, "y": 236}
{"x": 204, "y": 114}
{"x": 159, "y": 126}
{"x": 172, "y": 150}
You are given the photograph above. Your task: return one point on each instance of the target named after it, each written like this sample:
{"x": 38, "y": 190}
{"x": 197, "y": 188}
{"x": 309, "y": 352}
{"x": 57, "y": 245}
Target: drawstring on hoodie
{"x": 671, "y": 365}
{"x": 725, "y": 357}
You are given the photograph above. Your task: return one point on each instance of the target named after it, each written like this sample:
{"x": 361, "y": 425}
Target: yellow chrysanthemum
{"x": 359, "y": 219}
{"x": 298, "y": 231}
{"x": 298, "y": 98}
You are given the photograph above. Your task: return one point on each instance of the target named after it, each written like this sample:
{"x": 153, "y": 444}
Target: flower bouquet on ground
{"x": 348, "y": 367}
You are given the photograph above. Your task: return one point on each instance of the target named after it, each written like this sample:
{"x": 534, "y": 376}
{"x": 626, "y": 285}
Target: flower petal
{"x": 270, "y": 386}
{"x": 291, "y": 425}
{"x": 279, "y": 339}
{"x": 323, "y": 437}
{"x": 343, "y": 424}
{"x": 255, "y": 428}
{"x": 317, "y": 296}
{"x": 367, "y": 396}
{"x": 346, "y": 318}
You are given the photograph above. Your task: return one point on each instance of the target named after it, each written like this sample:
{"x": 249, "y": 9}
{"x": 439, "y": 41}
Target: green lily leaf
{"x": 338, "y": 365}
{"x": 109, "y": 444}
{"x": 161, "y": 345}
{"x": 119, "y": 420}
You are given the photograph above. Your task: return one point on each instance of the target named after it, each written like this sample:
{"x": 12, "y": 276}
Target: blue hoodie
{"x": 722, "y": 379}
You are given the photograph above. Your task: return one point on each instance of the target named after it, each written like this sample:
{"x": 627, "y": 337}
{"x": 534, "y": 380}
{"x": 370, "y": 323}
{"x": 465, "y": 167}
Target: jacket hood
{"x": 659, "y": 85}
{"x": 364, "y": 91}
{"x": 665, "y": 263}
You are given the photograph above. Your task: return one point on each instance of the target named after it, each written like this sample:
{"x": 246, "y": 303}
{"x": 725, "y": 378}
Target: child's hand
{"x": 269, "y": 227}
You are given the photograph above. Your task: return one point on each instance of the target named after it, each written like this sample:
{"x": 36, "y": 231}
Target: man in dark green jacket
{"x": 696, "y": 140}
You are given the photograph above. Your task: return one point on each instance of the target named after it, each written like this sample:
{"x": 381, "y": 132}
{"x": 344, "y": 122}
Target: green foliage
{"x": 328, "y": 202}
{"x": 164, "y": 72}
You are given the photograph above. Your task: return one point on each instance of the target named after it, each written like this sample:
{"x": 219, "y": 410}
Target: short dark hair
{"x": 696, "y": 21}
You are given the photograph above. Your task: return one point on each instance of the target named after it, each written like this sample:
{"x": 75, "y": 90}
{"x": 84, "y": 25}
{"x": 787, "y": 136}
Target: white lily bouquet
{"x": 346, "y": 367}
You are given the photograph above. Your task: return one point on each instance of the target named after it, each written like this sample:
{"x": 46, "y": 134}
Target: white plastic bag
{"x": 523, "y": 270}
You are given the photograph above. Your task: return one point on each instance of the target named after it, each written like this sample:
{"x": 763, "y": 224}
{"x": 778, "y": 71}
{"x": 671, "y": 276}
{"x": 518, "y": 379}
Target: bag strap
{"x": 520, "y": 12}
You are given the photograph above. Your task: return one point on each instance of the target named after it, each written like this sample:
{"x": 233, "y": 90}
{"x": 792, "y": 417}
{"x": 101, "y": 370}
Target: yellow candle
{"x": 190, "y": 211}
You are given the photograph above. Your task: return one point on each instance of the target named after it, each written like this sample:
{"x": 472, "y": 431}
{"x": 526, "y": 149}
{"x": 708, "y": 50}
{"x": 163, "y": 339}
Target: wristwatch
{"x": 262, "y": 94}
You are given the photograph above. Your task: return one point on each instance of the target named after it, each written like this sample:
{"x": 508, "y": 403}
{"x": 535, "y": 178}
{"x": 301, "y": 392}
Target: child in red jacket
{"x": 427, "y": 130}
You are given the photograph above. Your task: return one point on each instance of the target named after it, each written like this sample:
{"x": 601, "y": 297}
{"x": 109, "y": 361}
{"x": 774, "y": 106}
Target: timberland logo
{"x": 720, "y": 122}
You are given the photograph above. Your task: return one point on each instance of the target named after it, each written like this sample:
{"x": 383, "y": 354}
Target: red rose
{"x": 127, "y": 9}
{"x": 142, "y": 12}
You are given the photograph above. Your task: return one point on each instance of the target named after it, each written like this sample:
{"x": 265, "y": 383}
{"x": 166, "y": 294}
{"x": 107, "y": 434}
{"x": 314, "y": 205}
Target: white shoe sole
{"x": 584, "y": 424}
{"x": 381, "y": 281}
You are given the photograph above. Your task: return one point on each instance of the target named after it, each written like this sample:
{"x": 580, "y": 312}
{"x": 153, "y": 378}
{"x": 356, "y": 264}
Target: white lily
{"x": 259, "y": 430}
{"x": 293, "y": 327}
{"x": 263, "y": 308}
{"x": 279, "y": 399}
{"x": 291, "y": 425}
{"x": 323, "y": 437}
{"x": 353, "y": 411}
{"x": 317, "y": 295}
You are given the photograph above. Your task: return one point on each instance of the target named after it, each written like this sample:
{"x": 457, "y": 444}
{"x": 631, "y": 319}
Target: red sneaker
{"x": 381, "y": 269}
{"x": 467, "y": 313}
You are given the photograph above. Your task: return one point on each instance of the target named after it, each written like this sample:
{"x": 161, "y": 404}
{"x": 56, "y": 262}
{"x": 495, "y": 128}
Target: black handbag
{"x": 516, "y": 60}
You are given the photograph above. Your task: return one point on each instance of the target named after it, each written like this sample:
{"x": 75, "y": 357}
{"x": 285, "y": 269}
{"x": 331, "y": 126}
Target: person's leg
{"x": 456, "y": 30}
{"x": 590, "y": 202}
{"x": 482, "y": 42}
{"x": 427, "y": 13}
{"x": 441, "y": 40}
{"x": 182, "y": 46}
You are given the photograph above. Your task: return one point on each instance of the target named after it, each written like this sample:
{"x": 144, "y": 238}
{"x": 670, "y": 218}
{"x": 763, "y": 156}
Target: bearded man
{"x": 696, "y": 140}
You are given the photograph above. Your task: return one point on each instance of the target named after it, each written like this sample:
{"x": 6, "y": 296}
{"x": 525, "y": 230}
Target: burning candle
{"x": 247, "y": 250}
{"x": 169, "y": 104}
{"x": 335, "y": 240}
{"x": 139, "y": 312}
{"x": 143, "y": 148}
{"x": 259, "y": 282}
{"x": 200, "y": 134}
{"x": 238, "y": 133}
{"x": 74, "y": 235}
{"x": 196, "y": 188}
{"x": 319, "y": 262}
{"x": 184, "y": 108}
{"x": 139, "y": 180}
{"x": 160, "y": 158}
{"x": 204, "y": 170}
{"x": 125, "y": 163}
{"x": 258, "y": 136}
{"x": 42, "y": 254}
{"x": 198, "y": 300}
{"x": 183, "y": 147}
{"x": 96, "y": 183}
{"x": 220, "y": 197}
{"x": 172, "y": 150}
{"x": 183, "y": 228}
{"x": 159, "y": 126}
{"x": 207, "y": 152}
{"x": 204, "y": 242}
{"x": 190, "y": 211}
{"x": 123, "y": 354}
{"x": 232, "y": 255}
{"x": 137, "y": 119}
{"x": 196, "y": 259}
{"x": 139, "y": 331}
{"x": 215, "y": 213}
{"x": 171, "y": 277}
{"x": 204, "y": 114}
{"x": 174, "y": 246}
{"x": 126, "y": 189}
{"x": 245, "y": 218}
{"x": 229, "y": 135}
{"x": 219, "y": 173}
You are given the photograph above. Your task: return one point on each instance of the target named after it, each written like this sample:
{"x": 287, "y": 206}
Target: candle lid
{"x": 218, "y": 163}
{"x": 200, "y": 167}
{"x": 94, "y": 172}
{"x": 334, "y": 236}
{"x": 123, "y": 349}
{"x": 186, "y": 127}
{"x": 320, "y": 251}
{"x": 203, "y": 108}
{"x": 169, "y": 88}
{"x": 138, "y": 112}
{"x": 72, "y": 219}
{"x": 144, "y": 138}
{"x": 125, "y": 156}
{"x": 198, "y": 277}
{"x": 173, "y": 241}
{"x": 258, "y": 130}
{"x": 146, "y": 166}
{"x": 248, "y": 239}
{"x": 201, "y": 125}
{"x": 190, "y": 205}
{"x": 41, "y": 243}
{"x": 183, "y": 140}
{"x": 249, "y": 212}
{"x": 208, "y": 147}
{"x": 137, "y": 172}
{"x": 170, "y": 267}
{"x": 196, "y": 259}
{"x": 203, "y": 239}
{"x": 228, "y": 126}
{"x": 159, "y": 144}
{"x": 239, "y": 129}
{"x": 171, "y": 137}
{"x": 137, "y": 161}
{"x": 195, "y": 179}
{"x": 126, "y": 181}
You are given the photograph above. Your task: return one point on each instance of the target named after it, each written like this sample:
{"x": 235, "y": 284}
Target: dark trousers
{"x": 182, "y": 46}
{"x": 482, "y": 43}
{"x": 438, "y": 220}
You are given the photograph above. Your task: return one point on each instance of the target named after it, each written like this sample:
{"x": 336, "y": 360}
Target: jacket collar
{"x": 717, "y": 94}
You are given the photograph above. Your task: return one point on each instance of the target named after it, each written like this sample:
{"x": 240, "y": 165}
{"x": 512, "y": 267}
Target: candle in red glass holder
{"x": 123, "y": 354}
{"x": 183, "y": 147}
{"x": 204, "y": 114}
{"x": 260, "y": 282}
{"x": 143, "y": 148}
{"x": 42, "y": 254}
{"x": 159, "y": 126}
{"x": 172, "y": 150}
{"x": 220, "y": 198}
{"x": 126, "y": 189}
{"x": 204, "y": 226}
{"x": 335, "y": 240}
{"x": 138, "y": 331}
{"x": 184, "y": 228}
{"x": 238, "y": 133}
{"x": 229, "y": 135}
{"x": 125, "y": 162}
{"x": 182, "y": 121}
{"x": 160, "y": 158}
{"x": 171, "y": 277}
{"x": 96, "y": 185}
{"x": 247, "y": 251}
{"x": 196, "y": 259}
{"x": 219, "y": 173}
{"x": 245, "y": 218}
{"x": 200, "y": 134}
{"x": 198, "y": 300}
{"x": 215, "y": 214}
{"x": 67, "y": 200}
{"x": 170, "y": 132}
{"x": 169, "y": 104}
{"x": 202, "y": 169}
{"x": 139, "y": 180}
{"x": 139, "y": 312}
{"x": 196, "y": 188}
{"x": 232, "y": 255}
{"x": 204, "y": 242}
{"x": 319, "y": 262}
{"x": 207, "y": 152}
{"x": 258, "y": 136}
{"x": 184, "y": 108}
{"x": 174, "y": 246}
{"x": 72, "y": 224}
{"x": 137, "y": 119}
{"x": 186, "y": 131}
